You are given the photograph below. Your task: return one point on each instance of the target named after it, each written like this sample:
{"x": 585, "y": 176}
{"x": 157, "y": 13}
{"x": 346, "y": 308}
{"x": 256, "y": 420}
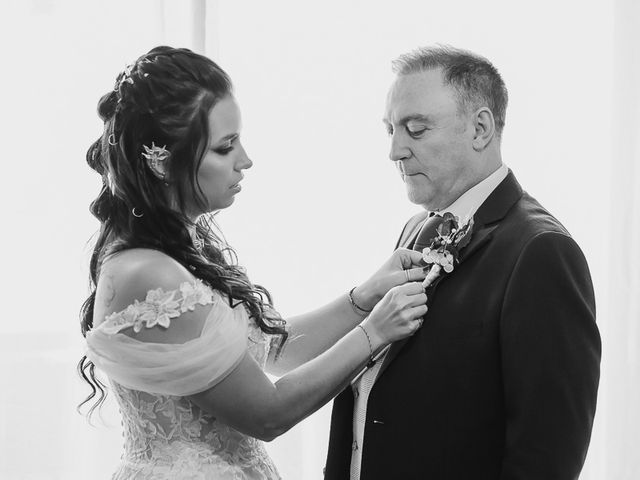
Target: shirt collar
{"x": 467, "y": 204}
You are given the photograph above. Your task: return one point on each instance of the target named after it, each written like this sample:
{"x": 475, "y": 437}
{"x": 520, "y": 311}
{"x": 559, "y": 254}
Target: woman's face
{"x": 221, "y": 168}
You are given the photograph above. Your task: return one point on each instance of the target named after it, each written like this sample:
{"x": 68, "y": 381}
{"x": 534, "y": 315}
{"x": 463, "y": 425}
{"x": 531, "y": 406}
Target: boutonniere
{"x": 444, "y": 251}
{"x": 443, "y": 254}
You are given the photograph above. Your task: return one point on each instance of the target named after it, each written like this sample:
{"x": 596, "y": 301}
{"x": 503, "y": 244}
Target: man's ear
{"x": 485, "y": 129}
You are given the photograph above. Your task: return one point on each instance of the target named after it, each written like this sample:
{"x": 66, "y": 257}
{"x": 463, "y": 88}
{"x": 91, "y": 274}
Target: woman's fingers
{"x": 400, "y": 311}
{"x": 417, "y": 317}
{"x": 418, "y": 312}
{"x": 410, "y": 288}
{"x": 417, "y": 300}
{"x": 411, "y": 295}
{"x": 409, "y": 258}
{"x": 415, "y": 326}
{"x": 415, "y": 274}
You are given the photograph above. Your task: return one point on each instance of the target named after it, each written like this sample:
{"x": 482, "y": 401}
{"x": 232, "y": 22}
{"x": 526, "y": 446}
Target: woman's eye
{"x": 225, "y": 148}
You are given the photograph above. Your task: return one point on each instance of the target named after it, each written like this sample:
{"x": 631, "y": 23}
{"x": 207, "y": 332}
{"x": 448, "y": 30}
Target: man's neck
{"x": 467, "y": 203}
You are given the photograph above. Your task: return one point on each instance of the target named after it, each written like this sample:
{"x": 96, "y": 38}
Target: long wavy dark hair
{"x": 164, "y": 97}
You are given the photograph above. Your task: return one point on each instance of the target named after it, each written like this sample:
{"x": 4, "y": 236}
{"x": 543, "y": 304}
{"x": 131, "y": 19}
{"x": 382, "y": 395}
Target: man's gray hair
{"x": 475, "y": 80}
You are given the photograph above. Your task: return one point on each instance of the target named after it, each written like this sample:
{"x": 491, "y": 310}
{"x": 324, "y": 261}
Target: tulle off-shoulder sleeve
{"x": 171, "y": 369}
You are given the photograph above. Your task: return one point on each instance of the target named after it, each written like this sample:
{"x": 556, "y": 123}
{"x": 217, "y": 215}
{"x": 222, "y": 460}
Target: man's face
{"x": 431, "y": 141}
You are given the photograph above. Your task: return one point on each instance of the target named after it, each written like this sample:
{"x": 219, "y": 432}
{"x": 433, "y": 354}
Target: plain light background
{"x": 323, "y": 206}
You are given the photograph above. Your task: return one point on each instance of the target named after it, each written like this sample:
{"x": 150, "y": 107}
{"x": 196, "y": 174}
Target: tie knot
{"x": 427, "y": 231}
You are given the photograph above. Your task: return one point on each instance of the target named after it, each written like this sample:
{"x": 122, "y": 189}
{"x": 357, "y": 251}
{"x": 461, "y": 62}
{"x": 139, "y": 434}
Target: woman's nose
{"x": 244, "y": 161}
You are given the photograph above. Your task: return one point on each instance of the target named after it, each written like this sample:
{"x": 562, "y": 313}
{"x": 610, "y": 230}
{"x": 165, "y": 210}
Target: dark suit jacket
{"x": 501, "y": 380}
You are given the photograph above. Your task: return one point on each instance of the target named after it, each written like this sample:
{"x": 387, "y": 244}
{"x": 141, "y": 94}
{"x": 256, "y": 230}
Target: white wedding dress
{"x": 166, "y": 435}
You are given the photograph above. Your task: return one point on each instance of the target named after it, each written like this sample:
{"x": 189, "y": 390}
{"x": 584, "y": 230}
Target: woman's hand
{"x": 398, "y": 315}
{"x": 403, "y": 266}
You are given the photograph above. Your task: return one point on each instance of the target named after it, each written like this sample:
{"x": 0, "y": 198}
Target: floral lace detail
{"x": 159, "y": 307}
{"x": 169, "y": 437}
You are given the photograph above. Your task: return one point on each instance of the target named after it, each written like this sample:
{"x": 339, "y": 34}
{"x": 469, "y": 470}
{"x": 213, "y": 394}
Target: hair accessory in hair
{"x": 126, "y": 76}
{"x": 156, "y": 156}
{"x": 136, "y": 214}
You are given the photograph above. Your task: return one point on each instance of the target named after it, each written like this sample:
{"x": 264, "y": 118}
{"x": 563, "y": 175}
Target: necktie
{"x": 427, "y": 232}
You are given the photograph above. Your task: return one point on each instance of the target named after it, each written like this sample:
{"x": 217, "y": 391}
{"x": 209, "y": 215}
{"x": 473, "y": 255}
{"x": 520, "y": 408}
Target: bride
{"x": 181, "y": 333}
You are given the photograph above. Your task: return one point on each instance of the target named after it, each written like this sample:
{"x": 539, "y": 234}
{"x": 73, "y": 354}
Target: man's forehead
{"x": 416, "y": 96}
{"x": 416, "y": 85}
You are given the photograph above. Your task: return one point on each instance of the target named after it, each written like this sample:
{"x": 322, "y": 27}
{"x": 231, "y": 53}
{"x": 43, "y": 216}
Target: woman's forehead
{"x": 224, "y": 118}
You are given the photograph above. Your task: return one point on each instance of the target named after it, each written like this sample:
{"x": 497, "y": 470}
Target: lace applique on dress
{"x": 168, "y": 437}
{"x": 159, "y": 307}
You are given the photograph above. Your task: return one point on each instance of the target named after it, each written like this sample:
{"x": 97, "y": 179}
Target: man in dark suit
{"x": 501, "y": 380}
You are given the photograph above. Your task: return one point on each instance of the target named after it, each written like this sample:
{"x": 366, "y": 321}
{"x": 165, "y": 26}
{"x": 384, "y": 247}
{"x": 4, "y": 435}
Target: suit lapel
{"x": 486, "y": 220}
{"x": 480, "y": 238}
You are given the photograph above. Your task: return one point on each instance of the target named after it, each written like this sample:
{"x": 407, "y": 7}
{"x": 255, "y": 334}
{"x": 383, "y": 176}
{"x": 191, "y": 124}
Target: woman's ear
{"x": 485, "y": 129}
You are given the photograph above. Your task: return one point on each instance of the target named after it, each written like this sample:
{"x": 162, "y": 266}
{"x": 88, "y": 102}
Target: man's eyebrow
{"x": 409, "y": 118}
{"x": 415, "y": 117}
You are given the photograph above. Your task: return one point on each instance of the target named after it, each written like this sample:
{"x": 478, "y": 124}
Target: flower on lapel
{"x": 444, "y": 258}
{"x": 444, "y": 251}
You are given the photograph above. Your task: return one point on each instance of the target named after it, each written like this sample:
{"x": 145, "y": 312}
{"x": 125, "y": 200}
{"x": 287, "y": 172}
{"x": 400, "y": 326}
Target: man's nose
{"x": 398, "y": 150}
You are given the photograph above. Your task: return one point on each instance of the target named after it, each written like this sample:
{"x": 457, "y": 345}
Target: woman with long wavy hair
{"x": 174, "y": 323}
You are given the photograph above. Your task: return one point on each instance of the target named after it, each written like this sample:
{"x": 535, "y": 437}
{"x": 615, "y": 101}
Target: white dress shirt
{"x": 466, "y": 205}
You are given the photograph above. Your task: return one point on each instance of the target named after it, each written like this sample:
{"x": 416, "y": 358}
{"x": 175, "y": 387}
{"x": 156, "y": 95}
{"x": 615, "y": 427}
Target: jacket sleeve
{"x": 551, "y": 350}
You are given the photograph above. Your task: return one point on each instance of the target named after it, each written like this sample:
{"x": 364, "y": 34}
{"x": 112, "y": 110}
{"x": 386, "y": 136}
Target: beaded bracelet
{"x": 371, "y": 359}
{"x": 357, "y": 308}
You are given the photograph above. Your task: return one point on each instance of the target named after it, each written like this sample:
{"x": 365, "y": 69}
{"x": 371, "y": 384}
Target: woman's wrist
{"x": 369, "y": 343}
{"x": 376, "y": 340}
{"x": 363, "y": 297}
{"x": 356, "y": 306}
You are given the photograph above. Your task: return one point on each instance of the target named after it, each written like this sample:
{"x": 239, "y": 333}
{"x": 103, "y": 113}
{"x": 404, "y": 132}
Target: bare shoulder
{"x": 128, "y": 276}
